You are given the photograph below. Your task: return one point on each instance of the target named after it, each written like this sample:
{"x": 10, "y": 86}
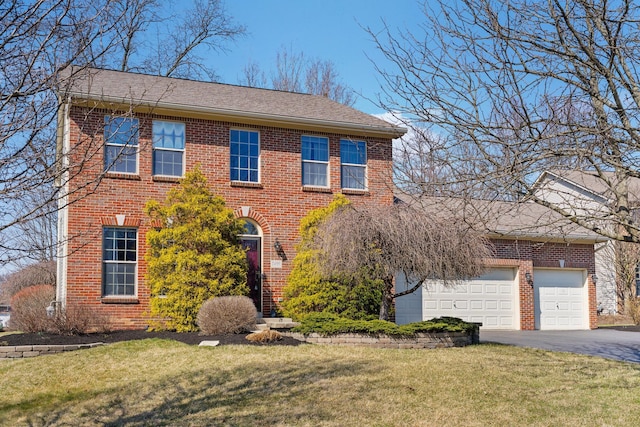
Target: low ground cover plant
{"x": 330, "y": 324}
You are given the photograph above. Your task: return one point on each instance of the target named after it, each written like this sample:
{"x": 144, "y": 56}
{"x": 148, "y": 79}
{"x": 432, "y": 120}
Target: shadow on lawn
{"x": 267, "y": 392}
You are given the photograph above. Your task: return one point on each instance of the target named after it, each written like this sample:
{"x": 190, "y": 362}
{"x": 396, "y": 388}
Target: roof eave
{"x": 235, "y": 115}
{"x": 541, "y": 237}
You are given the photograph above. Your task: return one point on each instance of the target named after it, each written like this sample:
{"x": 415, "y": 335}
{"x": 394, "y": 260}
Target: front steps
{"x": 276, "y": 323}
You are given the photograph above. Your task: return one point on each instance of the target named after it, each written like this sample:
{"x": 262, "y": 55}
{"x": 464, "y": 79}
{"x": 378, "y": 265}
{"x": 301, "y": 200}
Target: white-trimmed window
{"x": 121, "y": 144}
{"x": 353, "y": 160}
{"x": 244, "y": 147}
{"x": 119, "y": 261}
{"x": 315, "y": 161}
{"x": 168, "y": 148}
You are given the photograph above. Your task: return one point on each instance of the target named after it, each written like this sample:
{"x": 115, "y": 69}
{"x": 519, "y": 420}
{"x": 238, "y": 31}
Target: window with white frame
{"x": 121, "y": 144}
{"x": 244, "y": 147}
{"x": 353, "y": 160}
{"x": 315, "y": 161}
{"x": 119, "y": 261}
{"x": 168, "y": 148}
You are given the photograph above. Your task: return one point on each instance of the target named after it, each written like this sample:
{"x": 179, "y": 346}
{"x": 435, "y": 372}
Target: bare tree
{"x": 289, "y": 71}
{"x": 295, "y": 73}
{"x": 253, "y": 76}
{"x": 38, "y": 41}
{"x": 626, "y": 259}
{"x": 399, "y": 239}
{"x": 515, "y": 88}
{"x": 322, "y": 79}
{"x": 42, "y": 273}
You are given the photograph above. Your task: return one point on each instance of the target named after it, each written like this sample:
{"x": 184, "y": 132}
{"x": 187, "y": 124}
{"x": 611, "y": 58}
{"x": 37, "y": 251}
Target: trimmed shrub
{"x": 329, "y": 324}
{"x": 29, "y": 309}
{"x": 227, "y": 315}
{"x": 265, "y": 336}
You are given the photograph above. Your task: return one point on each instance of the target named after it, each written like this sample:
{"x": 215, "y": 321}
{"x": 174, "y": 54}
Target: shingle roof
{"x": 524, "y": 220}
{"x": 593, "y": 182}
{"x": 221, "y": 100}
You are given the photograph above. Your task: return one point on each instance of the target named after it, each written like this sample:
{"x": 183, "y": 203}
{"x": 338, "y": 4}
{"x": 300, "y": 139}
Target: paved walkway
{"x": 607, "y": 343}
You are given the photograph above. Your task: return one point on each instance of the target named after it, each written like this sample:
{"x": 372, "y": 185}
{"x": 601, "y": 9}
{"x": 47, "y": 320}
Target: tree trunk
{"x": 387, "y": 299}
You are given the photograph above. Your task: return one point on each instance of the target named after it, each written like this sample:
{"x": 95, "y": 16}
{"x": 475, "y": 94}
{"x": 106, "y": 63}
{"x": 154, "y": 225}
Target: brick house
{"x": 541, "y": 276}
{"x": 127, "y": 138}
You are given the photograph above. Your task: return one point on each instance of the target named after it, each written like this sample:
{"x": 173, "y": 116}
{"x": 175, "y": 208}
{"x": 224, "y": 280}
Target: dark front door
{"x": 251, "y": 246}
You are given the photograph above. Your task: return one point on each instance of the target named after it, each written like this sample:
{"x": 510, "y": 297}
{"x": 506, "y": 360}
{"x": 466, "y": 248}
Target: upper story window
{"x": 168, "y": 148}
{"x": 315, "y": 161}
{"x": 353, "y": 159}
{"x": 121, "y": 144}
{"x": 245, "y": 154}
{"x": 120, "y": 261}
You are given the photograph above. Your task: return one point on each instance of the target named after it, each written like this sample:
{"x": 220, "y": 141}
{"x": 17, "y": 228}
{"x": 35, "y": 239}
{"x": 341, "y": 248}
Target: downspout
{"x": 63, "y": 146}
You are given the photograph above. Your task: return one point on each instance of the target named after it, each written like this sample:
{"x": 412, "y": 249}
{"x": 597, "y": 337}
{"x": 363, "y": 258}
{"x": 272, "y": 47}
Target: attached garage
{"x": 541, "y": 272}
{"x": 491, "y": 299}
{"x": 560, "y": 299}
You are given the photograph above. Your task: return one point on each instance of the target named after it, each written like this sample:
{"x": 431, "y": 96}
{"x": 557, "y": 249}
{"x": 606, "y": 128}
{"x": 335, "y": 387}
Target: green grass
{"x": 155, "y": 382}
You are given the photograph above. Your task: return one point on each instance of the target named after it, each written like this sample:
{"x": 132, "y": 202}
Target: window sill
{"x": 165, "y": 178}
{"x": 119, "y": 300}
{"x": 355, "y": 192}
{"x": 316, "y": 189}
{"x": 116, "y": 175}
{"x": 244, "y": 184}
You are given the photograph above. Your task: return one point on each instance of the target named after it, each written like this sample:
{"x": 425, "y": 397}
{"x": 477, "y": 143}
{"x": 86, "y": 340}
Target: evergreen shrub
{"x": 331, "y": 324}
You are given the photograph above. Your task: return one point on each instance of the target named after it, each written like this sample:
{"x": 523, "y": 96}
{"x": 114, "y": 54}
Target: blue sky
{"x": 324, "y": 29}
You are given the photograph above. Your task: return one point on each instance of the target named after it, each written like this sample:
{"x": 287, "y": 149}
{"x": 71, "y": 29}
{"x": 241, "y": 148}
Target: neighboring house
{"x": 272, "y": 155}
{"x": 5, "y": 315}
{"x": 588, "y": 195}
{"x": 541, "y": 275}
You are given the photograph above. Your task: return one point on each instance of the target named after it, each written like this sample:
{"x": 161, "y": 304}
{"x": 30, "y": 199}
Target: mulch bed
{"x": 193, "y": 338}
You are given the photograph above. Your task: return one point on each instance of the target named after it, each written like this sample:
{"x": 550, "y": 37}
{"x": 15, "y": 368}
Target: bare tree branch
{"x": 511, "y": 89}
{"x": 47, "y": 45}
{"x": 399, "y": 239}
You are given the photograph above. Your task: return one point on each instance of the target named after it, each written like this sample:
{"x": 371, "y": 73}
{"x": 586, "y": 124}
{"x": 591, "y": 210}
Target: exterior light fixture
{"x": 594, "y": 279}
{"x": 279, "y": 250}
{"x": 528, "y": 278}
{"x": 51, "y": 309}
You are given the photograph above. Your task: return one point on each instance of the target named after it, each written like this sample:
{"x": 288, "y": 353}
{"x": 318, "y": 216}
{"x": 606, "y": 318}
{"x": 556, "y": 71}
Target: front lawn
{"x": 161, "y": 382}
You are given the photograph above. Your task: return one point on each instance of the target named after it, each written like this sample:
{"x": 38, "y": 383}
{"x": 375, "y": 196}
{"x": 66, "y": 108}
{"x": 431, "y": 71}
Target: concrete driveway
{"x": 607, "y": 343}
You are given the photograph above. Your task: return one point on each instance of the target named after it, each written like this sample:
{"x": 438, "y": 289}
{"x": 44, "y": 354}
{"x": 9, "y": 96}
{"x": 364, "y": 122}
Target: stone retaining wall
{"x": 17, "y": 352}
{"x": 421, "y": 340}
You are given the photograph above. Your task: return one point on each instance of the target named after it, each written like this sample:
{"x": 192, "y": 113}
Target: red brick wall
{"x": 277, "y": 205}
{"x": 527, "y": 255}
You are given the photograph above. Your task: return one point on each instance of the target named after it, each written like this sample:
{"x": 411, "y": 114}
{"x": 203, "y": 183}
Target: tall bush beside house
{"x": 29, "y": 307}
{"x": 194, "y": 253}
{"x": 308, "y": 291}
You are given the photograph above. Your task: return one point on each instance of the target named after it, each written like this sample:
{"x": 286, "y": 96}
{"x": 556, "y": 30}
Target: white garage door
{"x": 560, "y": 299}
{"x": 490, "y": 299}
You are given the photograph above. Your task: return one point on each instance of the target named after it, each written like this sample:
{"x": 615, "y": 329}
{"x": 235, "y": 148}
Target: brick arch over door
{"x": 248, "y": 212}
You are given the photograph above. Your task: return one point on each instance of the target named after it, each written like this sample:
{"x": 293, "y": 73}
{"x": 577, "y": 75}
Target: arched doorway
{"x": 251, "y": 241}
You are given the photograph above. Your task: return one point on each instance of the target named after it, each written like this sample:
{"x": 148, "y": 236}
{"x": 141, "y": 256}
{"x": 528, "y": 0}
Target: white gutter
{"x": 395, "y": 132}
